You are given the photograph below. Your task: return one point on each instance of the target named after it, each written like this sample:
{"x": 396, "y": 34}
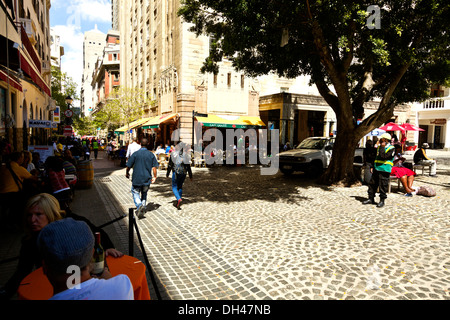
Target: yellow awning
{"x": 156, "y": 121}
{"x": 132, "y": 125}
{"x": 236, "y": 122}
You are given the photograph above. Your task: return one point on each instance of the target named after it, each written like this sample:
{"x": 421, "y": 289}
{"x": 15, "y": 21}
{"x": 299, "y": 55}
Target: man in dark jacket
{"x": 144, "y": 164}
{"x": 179, "y": 164}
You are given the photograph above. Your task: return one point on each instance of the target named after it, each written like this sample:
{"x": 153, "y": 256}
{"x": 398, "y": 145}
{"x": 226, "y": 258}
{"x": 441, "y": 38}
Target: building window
{"x": 215, "y": 80}
{"x": 284, "y": 89}
{"x": 229, "y": 79}
{"x": 242, "y": 81}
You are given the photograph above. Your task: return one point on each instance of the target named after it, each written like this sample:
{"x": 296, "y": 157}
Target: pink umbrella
{"x": 410, "y": 127}
{"x": 392, "y": 127}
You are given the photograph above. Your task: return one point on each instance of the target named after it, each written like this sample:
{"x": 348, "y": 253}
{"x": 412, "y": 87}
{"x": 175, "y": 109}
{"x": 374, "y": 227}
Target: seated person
{"x": 160, "y": 149}
{"x": 405, "y": 175}
{"x": 40, "y": 210}
{"x": 66, "y": 243}
{"x": 55, "y": 181}
{"x": 36, "y": 159}
{"x": 420, "y": 157}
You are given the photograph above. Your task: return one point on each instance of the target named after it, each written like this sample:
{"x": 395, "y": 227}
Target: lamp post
{"x": 69, "y": 101}
{"x": 68, "y": 120}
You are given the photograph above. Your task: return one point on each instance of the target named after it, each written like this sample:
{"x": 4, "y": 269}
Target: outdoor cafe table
{"x": 36, "y": 286}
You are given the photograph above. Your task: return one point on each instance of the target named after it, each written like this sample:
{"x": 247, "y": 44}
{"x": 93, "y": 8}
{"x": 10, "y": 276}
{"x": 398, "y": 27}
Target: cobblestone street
{"x": 241, "y": 235}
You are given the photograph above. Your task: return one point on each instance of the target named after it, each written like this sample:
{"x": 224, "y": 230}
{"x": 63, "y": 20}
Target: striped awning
{"x": 156, "y": 121}
{"x": 132, "y": 125}
{"x": 233, "y": 122}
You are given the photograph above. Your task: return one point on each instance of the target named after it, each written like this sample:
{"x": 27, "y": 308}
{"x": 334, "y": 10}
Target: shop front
{"x": 128, "y": 131}
{"x": 228, "y": 125}
{"x": 159, "y": 129}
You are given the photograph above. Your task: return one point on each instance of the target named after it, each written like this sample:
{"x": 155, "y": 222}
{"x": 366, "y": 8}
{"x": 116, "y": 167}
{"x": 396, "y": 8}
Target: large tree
{"x": 107, "y": 117}
{"x": 352, "y": 54}
{"x": 128, "y": 103}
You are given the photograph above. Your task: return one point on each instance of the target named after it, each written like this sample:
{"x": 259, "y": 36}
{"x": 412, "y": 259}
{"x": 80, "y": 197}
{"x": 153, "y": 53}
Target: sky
{"x": 70, "y": 19}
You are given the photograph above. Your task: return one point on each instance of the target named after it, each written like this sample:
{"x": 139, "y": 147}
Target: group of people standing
{"x": 144, "y": 165}
{"x": 385, "y": 160}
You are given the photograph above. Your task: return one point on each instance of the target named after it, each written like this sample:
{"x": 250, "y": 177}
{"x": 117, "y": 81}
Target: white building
{"x": 93, "y": 45}
{"x": 56, "y": 50}
{"x": 433, "y": 116}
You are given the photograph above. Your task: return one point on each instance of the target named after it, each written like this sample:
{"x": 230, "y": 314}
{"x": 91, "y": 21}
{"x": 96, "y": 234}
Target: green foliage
{"x": 124, "y": 105}
{"x": 62, "y": 86}
{"x": 84, "y": 125}
{"x": 331, "y": 41}
{"x": 107, "y": 118}
{"x": 328, "y": 40}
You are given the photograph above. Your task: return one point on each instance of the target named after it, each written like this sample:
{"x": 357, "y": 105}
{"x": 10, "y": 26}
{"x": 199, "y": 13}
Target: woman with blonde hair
{"x": 40, "y": 210}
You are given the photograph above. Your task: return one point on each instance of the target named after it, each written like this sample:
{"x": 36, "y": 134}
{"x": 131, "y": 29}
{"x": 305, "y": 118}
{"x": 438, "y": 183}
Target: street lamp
{"x": 68, "y": 119}
{"x": 69, "y": 101}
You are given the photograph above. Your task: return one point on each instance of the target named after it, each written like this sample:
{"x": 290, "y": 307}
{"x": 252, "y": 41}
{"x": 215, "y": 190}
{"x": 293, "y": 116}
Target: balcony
{"x": 436, "y": 104}
{"x": 30, "y": 29}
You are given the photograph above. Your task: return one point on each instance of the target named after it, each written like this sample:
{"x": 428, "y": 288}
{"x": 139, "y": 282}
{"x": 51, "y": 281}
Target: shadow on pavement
{"x": 231, "y": 184}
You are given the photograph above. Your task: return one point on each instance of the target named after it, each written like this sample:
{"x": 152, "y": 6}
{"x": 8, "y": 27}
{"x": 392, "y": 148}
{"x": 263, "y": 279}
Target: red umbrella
{"x": 410, "y": 127}
{"x": 392, "y": 127}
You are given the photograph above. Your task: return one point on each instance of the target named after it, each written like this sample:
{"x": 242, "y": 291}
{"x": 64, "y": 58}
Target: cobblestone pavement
{"x": 241, "y": 235}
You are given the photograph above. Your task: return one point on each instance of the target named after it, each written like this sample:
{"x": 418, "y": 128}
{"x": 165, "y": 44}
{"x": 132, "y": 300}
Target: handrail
{"x": 131, "y": 226}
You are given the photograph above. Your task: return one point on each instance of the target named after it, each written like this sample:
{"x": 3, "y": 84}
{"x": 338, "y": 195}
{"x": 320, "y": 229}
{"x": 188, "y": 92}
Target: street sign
{"x": 67, "y": 131}
{"x": 68, "y": 113}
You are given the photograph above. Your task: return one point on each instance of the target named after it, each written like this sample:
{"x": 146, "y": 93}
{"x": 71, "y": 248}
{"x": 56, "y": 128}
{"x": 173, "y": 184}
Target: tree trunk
{"x": 340, "y": 171}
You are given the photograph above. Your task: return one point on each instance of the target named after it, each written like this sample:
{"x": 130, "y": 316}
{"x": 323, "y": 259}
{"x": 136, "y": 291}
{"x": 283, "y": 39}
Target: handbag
{"x": 426, "y": 191}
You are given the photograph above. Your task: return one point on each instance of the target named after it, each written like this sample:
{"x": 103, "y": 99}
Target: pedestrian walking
{"x": 144, "y": 164}
{"x": 133, "y": 147}
{"x": 179, "y": 164}
{"x": 383, "y": 163}
{"x": 95, "y": 147}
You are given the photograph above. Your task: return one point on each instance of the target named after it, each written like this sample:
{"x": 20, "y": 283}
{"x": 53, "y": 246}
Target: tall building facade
{"x": 93, "y": 45}
{"x": 106, "y": 74}
{"x": 56, "y": 50}
{"x": 25, "y": 96}
{"x": 115, "y": 14}
{"x": 161, "y": 56}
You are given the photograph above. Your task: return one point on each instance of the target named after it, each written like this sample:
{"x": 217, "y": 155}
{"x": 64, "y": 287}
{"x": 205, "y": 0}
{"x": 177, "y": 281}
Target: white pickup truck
{"x": 311, "y": 156}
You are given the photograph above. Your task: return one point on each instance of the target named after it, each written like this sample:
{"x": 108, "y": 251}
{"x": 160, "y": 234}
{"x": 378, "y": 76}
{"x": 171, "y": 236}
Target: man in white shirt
{"x": 66, "y": 246}
{"x": 132, "y": 148}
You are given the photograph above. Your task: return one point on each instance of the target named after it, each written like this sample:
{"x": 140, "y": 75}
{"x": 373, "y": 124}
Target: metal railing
{"x": 132, "y": 225}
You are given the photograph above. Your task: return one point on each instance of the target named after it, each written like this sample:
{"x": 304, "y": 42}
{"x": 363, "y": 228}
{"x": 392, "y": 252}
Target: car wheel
{"x": 286, "y": 171}
{"x": 315, "y": 170}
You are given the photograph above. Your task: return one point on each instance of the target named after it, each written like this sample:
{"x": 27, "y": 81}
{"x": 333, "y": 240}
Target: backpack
{"x": 179, "y": 165}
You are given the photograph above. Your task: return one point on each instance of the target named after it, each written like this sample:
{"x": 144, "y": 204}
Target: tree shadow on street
{"x": 238, "y": 184}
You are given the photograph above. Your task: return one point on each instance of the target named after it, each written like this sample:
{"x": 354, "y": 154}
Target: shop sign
{"x": 438, "y": 121}
{"x": 40, "y": 124}
{"x": 57, "y": 114}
